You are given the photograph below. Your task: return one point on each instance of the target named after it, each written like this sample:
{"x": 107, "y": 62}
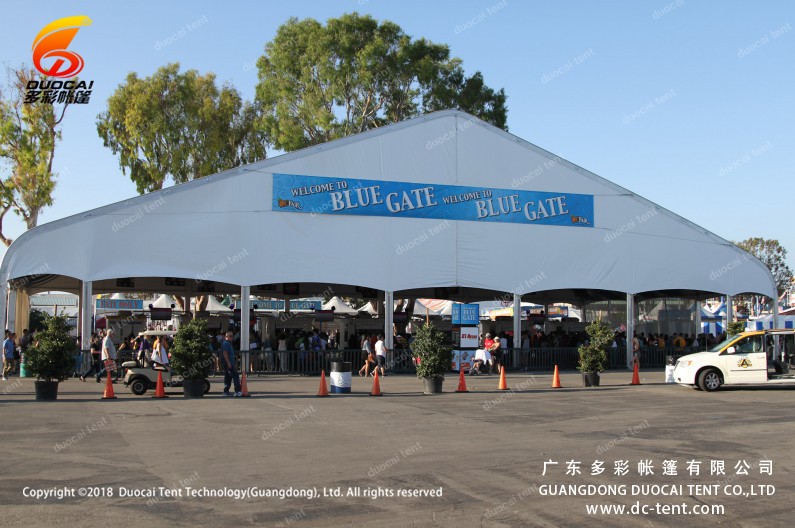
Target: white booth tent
{"x": 259, "y": 242}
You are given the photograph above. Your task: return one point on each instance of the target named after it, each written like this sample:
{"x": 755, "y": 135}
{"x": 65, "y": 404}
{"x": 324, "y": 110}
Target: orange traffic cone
{"x": 323, "y": 386}
{"x": 462, "y": 382}
{"x": 109, "y": 395}
{"x": 376, "y": 385}
{"x": 635, "y": 376}
{"x": 244, "y": 385}
{"x": 503, "y": 384}
{"x": 160, "y": 390}
{"x": 556, "y": 379}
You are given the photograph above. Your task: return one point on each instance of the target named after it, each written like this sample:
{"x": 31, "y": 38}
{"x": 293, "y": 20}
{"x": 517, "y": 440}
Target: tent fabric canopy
{"x": 339, "y": 306}
{"x": 633, "y": 245}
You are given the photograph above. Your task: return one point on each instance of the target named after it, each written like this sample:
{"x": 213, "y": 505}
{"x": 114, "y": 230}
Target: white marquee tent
{"x": 459, "y": 184}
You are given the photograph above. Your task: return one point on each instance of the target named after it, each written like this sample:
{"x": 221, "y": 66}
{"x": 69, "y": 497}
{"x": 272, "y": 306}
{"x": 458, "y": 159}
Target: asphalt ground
{"x": 472, "y": 459}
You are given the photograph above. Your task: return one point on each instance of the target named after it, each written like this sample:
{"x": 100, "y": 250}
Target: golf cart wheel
{"x": 206, "y": 386}
{"x": 709, "y": 380}
{"x": 139, "y": 386}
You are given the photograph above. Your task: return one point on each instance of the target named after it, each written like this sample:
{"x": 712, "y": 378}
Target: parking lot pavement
{"x": 483, "y": 458}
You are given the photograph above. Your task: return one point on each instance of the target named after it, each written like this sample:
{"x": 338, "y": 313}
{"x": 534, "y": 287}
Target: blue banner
{"x": 278, "y": 305}
{"x": 321, "y": 195}
{"x": 119, "y": 304}
{"x": 466, "y": 314}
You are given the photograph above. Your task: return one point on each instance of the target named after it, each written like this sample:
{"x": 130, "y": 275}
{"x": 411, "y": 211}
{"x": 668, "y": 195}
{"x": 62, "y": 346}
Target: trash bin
{"x": 23, "y": 368}
{"x": 341, "y": 377}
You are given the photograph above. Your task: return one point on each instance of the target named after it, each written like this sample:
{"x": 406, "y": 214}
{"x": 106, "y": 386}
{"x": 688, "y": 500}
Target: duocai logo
{"x": 50, "y": 54}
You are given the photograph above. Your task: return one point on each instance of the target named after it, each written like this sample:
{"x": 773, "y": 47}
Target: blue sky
{"x": 689, "y": 104}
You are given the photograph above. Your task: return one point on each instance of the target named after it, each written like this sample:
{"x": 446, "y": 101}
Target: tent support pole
{"x": 517, "y": 325}
{"x": 729, "y": 313}
{"x": 776, "y": 338}
{"x": 4, "y": 303}
{"x": 697, "y": 317}
{"x": 389, "y": 315}
{"x": 245, "y": 318}
{"x": 86, "y": 310}
{"x": 630, "y": 327}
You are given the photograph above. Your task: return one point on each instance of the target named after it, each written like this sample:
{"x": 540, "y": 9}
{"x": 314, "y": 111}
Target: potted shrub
{"x": 191, "y": 358}
{"x": 593, "y": 355}
{"x": 49, "y": 358}
{"x": 432, "y": 356}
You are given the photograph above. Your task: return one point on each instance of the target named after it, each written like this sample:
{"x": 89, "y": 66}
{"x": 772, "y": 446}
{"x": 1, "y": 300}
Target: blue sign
{"x": 278, "y": 306}
{"x": 119, "y": 304}
{"x": 321, "y": 195}
{"x": 466, "y": 314}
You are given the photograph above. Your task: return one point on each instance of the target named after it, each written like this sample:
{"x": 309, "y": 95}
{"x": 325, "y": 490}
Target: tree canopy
{"x": 28, "y": 135}
{"x": 178, "y": 125}
{"x": 773, "y": 255}
{"x": 318, "y": 83}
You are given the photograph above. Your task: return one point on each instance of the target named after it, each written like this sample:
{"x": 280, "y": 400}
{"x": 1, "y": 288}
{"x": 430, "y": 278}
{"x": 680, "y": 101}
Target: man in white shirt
{"x": 108, "y": 355}
{"x": 380, "y": 354}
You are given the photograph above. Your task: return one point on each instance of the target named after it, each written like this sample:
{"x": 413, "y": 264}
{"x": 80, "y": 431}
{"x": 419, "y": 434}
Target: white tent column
{"x": 630, "y": 327}
{"x": 245, "y": 318}
{"x": 697, "y": 317}
{"x": 86, "y": 311}
{"x": 729, "y": 313}
{"x": 776, "y": 339}
{"x": 389, "y": 315}
{"x": 517, "y": 325}
{"x": 4, "y": 303}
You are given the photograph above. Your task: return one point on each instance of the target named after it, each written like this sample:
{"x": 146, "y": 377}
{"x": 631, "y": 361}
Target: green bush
{"x": 435, "y": 356}
{"x": 593, "y": 356}
{"x": 735, "y": 328}
{"x": 50, "y": 357}
{"x": 191, "y": 356}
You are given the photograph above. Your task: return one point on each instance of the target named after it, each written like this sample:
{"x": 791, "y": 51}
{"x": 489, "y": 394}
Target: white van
{"x": 749, "y": 358}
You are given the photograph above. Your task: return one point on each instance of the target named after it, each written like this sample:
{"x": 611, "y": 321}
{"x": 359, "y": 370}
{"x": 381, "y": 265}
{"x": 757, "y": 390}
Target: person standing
{"x": 380, "y": 354}
{"x": 282, "y": 348}
{"x": 108, "y": 356}
{"x": 228, "y": 362}
{"x": 160, "y": 353}
{"x": 95, "y": 352}
{"x": 8, "y": 355}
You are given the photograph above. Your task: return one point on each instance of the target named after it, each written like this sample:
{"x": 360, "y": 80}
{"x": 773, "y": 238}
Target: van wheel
{"x": 710, "y": 380}
{"x": 139, "y": 386}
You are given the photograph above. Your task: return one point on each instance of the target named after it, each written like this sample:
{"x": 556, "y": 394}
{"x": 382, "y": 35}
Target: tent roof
{"x": 164, "y": 301}
{"x": 339, "y": 306}
{"x": 631, "y": 244}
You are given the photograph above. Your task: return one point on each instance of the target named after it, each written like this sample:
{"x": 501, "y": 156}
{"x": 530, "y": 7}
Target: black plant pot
{"x": 193, "y": 389}
{"x": 590, "y": 379}
{"x": 46, "y": 390}
{"x": 433, "y": 385}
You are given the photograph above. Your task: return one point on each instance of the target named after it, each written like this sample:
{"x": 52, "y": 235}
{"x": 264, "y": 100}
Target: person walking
{"x": 8, "y": 355}
{"x": 380, "y": 354}
{"x": 228, "y": 362}
{"x": 94, "y": 367}
{"x": 108, "y": 357}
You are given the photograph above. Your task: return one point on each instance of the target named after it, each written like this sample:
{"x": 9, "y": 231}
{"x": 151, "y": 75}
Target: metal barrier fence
{"x": 310, "y": 362}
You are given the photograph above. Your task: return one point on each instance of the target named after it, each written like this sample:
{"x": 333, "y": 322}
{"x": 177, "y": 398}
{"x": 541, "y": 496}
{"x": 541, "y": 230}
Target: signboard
{"x": 119, "y": 304}
{"x": 469, "y": 337}
{"x": 466, "y": 314}
{"x": 324, "y": 315}
{"x": 278, "y": 305}
{"x": 349, "y": 196}
{"x": 462, "y": 359}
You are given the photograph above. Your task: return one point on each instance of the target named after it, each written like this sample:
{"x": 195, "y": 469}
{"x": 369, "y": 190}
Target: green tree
{"x": 434, "y": 354}
{"x": 773, "y": 255}
{"x": 29, "y": 133}
{"x": 318, "y": 83}
{"x": 178, "y": 125}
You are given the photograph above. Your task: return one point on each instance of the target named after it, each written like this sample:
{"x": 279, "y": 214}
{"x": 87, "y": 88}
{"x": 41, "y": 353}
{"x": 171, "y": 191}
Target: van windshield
{"x": 722, "y": 344}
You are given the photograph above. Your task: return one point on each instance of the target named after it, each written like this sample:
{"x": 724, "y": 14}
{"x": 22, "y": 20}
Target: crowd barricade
{"x": 567, "y": 358}
{"x": 311, "y": 362}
